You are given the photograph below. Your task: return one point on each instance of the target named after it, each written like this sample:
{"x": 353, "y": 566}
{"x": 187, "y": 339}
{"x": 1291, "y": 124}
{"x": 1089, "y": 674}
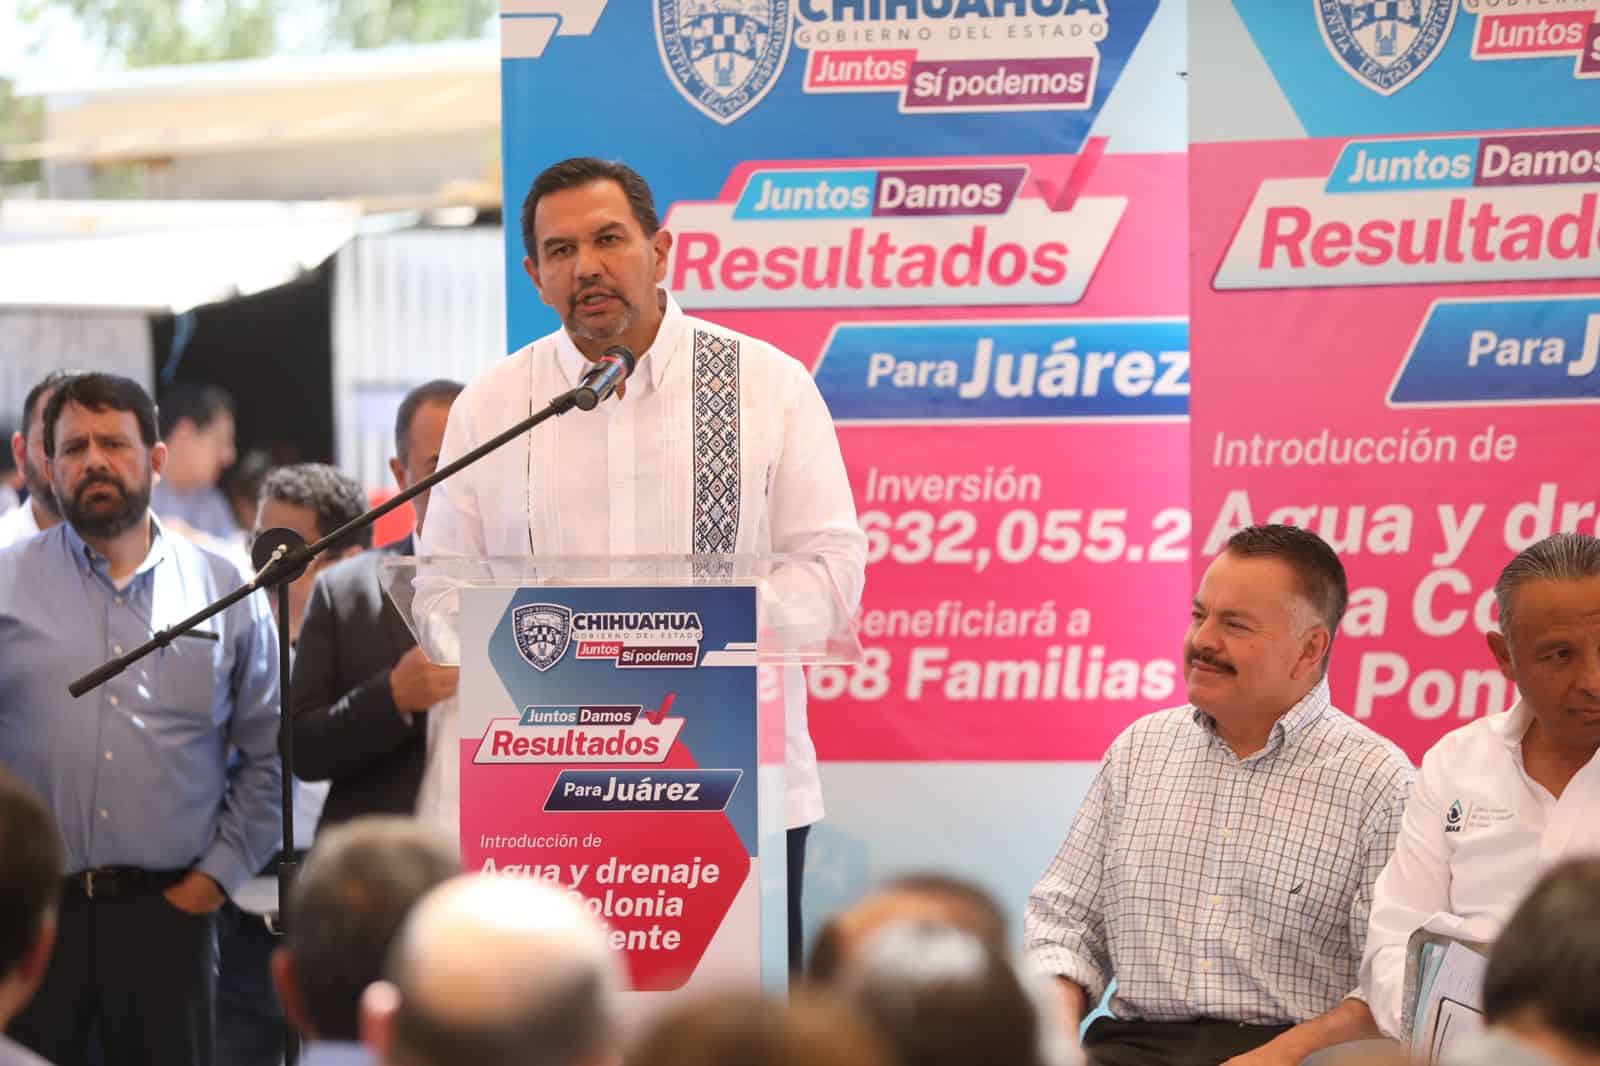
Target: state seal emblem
{"x": 543, "y": 631}
{"x": 723, "y": 55}
{"x": 1384, "y": 44}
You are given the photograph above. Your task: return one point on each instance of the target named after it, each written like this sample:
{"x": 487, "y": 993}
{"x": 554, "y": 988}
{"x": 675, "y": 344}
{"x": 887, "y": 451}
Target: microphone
{"x": 603, "y": 377}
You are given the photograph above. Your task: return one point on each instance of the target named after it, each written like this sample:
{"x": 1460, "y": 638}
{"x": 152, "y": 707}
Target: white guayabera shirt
{"x": 722, "y": 444}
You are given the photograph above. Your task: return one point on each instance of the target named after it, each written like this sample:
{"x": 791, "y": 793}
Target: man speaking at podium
{"x": 718, "y": 442}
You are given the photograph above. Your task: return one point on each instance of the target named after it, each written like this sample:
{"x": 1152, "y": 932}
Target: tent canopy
{"x": 161, "y": 256}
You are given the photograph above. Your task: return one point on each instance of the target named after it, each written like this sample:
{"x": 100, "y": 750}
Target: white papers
{"x": 1450, "y": 999}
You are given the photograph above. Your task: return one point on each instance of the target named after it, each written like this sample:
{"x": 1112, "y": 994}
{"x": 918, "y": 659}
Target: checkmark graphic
{"x": 660, "y": 712}
{"x": 1062, "y": 199}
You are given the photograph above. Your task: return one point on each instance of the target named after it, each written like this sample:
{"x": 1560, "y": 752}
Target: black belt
{"x": 109, "y": 882}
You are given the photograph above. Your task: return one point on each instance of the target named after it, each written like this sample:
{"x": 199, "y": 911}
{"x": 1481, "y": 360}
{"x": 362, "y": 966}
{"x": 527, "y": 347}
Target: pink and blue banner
{"x": 982, "y": 224}
{"x": 913, "y": 200}
{"x": 1396, "y": 301}
{"x": 966, "y": 217}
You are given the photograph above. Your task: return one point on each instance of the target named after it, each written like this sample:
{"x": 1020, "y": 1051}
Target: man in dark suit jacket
{"x": 361, "y": 687}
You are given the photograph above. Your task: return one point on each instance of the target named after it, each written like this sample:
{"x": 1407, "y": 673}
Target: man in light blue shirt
{"x": 157, "y": 828}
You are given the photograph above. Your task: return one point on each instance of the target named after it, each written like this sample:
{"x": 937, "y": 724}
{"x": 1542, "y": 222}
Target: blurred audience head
{"x": 31, "y": 868}
{"x": 943, "y": 996}
{"x": 27, "y": 443}
{"x": 362, "y": 879}
{"x": 418, "y": 435}
{"x": 242, "y": 485}
{"x": 197, "y": 425}
{"x": 10, "y": 463}
{"x": 928, "y": 897}
{"x": 745, "y": 1029}
{"x": 313, "y": 500}
{"x": 1548, "y": 644}
{"x": 497, "y": 969}
{"x": 102, "y": 453}
{"x": 1542, "y": 985}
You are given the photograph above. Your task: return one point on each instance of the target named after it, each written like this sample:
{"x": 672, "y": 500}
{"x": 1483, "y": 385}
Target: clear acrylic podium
{"x": 803, "y": 617}
{"x": 562, "y": 728}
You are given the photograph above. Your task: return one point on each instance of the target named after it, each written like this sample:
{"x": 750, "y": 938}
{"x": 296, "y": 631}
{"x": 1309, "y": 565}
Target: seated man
{"x": 1502, "y": 798}
{"x": 1221, "y": 866}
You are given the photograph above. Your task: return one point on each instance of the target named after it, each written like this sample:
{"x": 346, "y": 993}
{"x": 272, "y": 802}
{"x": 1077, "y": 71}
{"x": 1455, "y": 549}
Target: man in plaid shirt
{"x": 1221, "y": 866}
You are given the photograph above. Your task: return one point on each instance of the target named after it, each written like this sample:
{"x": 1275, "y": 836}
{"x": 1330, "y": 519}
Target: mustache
{"x": 99, "y": 479}
{"x": 1196, "y": 655}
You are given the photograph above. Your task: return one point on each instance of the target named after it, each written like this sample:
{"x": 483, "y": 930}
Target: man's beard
{"x": 104, "y": 524}
{"x": 39, "y": 488}
{"x": 625, "y": 321}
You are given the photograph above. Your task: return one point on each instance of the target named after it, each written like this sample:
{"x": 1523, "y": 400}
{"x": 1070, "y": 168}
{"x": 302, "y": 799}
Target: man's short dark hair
{"x": 195, "y": 401}
{"x": 1546, "y": 960}
{"x": 440, "y": 390}
{"x": 336, "y": 497}
{"x": 101, "y": 392}
{"x": 31, "y": 868}
{"x": 1316, "y": 567}
{"x": 362, "y": 879}
{"x": 35, "y": 394}
{"x": 581, "y": 170}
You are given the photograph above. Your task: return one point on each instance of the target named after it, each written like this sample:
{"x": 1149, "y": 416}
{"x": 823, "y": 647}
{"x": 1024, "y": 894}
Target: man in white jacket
{"x": 1501, "y": 800}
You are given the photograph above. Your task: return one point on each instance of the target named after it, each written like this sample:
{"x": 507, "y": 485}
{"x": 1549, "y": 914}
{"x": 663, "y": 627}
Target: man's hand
{"x": 1350, "y": 1020}
{"x": 197, "y": 893}
{"x": 418, "y": 684}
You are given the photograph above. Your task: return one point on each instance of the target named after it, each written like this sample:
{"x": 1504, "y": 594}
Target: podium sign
{"x": 610, "y": 743}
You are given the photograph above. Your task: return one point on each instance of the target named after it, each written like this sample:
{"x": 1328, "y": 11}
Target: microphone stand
{"x": 281, "y": 555}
